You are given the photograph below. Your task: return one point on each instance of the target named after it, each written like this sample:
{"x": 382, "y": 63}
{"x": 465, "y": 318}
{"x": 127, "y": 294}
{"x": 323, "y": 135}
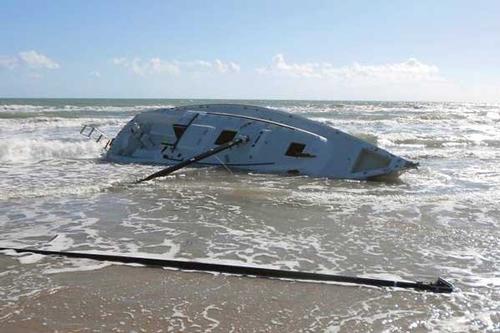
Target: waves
{"x": 20, "y": 150}
{"x": 31, "y": 133}
{"x": 439, "y": 220}
{"x": 22, "y": 111}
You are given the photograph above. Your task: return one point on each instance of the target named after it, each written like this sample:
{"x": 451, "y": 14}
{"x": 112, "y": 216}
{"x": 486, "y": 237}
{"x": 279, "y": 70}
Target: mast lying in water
{"x": 440, "y": 286}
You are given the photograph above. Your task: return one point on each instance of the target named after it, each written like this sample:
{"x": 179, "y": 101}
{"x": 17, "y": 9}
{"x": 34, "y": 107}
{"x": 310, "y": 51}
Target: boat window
{"x": 295, "y": 149}
{"x": 225, "y": 136}
{"x": 179, "y": 130}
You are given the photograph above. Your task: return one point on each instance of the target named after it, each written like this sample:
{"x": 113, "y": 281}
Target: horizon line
{"x": 252, "y": 99}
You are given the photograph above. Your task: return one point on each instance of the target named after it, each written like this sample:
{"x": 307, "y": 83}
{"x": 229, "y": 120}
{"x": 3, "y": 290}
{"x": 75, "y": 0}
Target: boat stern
{"x": 373, "y": 163}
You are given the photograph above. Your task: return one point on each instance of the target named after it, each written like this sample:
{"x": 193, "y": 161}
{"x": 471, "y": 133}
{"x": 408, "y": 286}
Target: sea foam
{"x": 33, "y": 150}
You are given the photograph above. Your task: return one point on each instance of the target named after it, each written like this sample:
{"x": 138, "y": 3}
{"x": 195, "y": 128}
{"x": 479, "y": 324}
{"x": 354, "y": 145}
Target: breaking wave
{"x": 33, "y": 150}
{"x": 15, "y": 111}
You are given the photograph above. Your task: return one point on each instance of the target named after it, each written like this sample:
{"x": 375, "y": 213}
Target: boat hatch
{"x": 179, "y": 130}
{"x": 225, "y": 136}
{"x": 297, "y": 150}
{"x": 370, "y": 160}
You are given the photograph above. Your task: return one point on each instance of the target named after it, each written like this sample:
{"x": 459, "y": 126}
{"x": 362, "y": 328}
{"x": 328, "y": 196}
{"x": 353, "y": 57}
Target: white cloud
{"x": 30, "y": 59}
{"x": 173, "y": 67}
{"x": 119, "y": 61}
{"x": 195, "y": 65}
{"x": 226, "y": 67}
{"x": 34, "y": 59}
{"x": 8, "y": 62}
{"x": 234, "y": 67}
{"x": 144, "y": 67}
{"x": 95, "y": 74}
{"x": 162, "y": 66}
{"x": 280, "y": 66}
{"x": 411, "y": 69}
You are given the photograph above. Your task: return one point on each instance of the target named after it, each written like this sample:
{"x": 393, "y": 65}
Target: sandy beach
{"x": 143, "y": 299}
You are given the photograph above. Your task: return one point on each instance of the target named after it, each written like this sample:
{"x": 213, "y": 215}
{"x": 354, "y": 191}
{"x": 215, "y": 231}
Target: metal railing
{"x": 97, "y": 135}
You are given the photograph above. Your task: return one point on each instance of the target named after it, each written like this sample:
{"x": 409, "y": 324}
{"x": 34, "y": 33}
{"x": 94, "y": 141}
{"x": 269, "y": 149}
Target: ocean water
{"x": 440, "y": 220}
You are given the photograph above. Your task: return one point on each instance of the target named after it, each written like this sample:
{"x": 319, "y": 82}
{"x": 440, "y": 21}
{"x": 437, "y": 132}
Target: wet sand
{"x": 142, "y": 299}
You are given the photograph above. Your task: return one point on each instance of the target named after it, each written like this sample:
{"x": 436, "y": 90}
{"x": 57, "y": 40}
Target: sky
{"x": 328, "y": 50}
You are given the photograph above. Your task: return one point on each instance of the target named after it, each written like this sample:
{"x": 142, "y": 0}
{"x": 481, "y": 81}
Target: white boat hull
{"x": 278, "y": 142}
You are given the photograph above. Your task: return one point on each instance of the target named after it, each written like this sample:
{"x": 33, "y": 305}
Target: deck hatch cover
{"x": 225, "y": 136}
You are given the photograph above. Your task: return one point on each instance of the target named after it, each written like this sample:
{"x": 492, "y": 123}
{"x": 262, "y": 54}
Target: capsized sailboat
{"x": 249, "y": 138}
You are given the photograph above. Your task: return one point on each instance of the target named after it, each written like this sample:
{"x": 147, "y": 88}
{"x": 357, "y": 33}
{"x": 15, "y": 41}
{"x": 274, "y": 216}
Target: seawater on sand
{"x": 439, "y": 220}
